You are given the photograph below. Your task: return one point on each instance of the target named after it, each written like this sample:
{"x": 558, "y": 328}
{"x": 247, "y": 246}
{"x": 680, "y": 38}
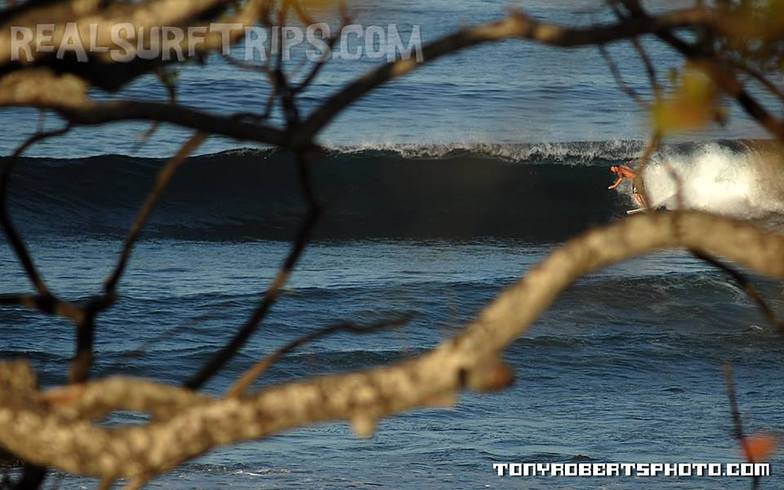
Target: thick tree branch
{"x": 470, "y": 360}
{"x": 101, "y": 113}
{"x": 57, "y": 428}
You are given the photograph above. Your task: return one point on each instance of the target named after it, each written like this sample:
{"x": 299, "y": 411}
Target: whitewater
{"x": 743, "y": 181}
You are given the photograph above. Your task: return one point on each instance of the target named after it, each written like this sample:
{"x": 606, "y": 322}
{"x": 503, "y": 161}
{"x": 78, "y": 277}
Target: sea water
{"x": 440, "y": 190}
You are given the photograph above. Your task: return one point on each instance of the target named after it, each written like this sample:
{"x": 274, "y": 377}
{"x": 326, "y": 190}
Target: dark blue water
{"x": 444, "y": 188}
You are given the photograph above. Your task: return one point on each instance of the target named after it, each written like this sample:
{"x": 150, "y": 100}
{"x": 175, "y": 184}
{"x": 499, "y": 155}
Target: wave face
{"x": 537, "y": 193}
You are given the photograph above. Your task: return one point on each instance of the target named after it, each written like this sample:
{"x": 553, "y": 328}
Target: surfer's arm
{"x": 617, "y": 183}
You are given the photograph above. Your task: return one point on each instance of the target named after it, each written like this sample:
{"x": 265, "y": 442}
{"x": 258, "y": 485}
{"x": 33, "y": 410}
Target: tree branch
{"x": 515, "y": 26}
{"x": 258, "y": 369}
{"x": 312, "y": 215}
{"x": 469, "y": 360}
{"x": 14, "y": 238}
{"x": 161, "y": 182}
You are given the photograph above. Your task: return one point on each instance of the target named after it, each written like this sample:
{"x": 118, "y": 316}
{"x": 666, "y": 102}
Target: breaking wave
{"x": 574, "y": 153}
{"x": 536, "y": 193}
{"x": 742, "y": 181}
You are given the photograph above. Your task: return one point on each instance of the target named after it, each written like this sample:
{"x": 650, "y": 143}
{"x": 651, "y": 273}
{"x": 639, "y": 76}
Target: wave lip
{"x": 573, "y": 153}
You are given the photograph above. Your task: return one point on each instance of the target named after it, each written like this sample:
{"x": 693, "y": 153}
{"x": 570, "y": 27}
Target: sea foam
{"x": 745, "y": 182}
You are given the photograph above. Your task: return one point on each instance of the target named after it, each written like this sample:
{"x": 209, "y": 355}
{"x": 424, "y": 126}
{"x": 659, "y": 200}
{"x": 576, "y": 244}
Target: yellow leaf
{"x": 693, "y": 104}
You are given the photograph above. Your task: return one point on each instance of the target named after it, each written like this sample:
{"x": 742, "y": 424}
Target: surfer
{"x": 624, "y": 172}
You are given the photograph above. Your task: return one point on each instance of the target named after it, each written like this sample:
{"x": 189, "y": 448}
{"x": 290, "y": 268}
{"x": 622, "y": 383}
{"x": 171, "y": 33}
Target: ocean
{"x": 440, "y": 189}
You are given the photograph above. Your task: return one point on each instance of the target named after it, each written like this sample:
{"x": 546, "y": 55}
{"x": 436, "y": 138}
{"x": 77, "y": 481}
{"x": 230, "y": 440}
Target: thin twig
{"x": 167, "y": 80}
{"x": 737, "y": 422}
{"x": 741, "y": 280}
{"x": 280, "y": 80}
{"x": 616, "y": 73}
{"x": 319, "y": 65}
{"x": 649, "y": 67}
{"x": 747, "y": 287}
{"x": 48, "y": 304}
{"x": 162, "y": 181}
{"x": 724, "y": 80}
{"x": 258, "y": 369}
{"x": 650, "y": 70}
{"x": 14, "y": 238}
{"x": 143, "y": 347}
{"x": 144, "y": 137}
{"x": 757, "y": 75}
{"x": 312, "y": 215}
{"x": 302, "y": 14}
{"x": 642, "y": 163}
{"x": 729, "y": 382}
{"x": 85, "y": 326}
